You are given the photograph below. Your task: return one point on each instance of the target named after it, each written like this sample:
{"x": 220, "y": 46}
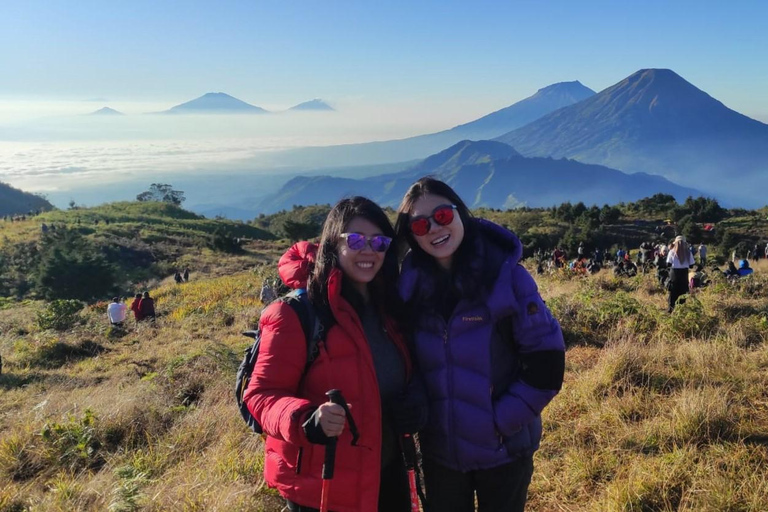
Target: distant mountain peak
{"x": 216, "y": 102}
{"x": 106, "y": 111}
{"x": 573, "y": 85}
{"x": 315, "y": 104}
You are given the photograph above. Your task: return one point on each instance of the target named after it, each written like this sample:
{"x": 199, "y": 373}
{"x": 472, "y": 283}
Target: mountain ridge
{"x": 488, "y": 174}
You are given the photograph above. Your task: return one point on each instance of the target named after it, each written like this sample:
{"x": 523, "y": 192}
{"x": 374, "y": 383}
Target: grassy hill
{"x": 658, "y": 412}
{"x": 141, "y": 242}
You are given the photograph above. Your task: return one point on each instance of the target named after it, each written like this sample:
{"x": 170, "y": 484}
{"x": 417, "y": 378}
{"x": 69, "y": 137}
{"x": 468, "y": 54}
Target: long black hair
{"x": 383, "y": 288}
{"x": 473, "y": 277}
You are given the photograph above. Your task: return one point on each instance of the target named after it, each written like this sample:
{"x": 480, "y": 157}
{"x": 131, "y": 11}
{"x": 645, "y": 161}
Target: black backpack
{"x": 313, "y": 331}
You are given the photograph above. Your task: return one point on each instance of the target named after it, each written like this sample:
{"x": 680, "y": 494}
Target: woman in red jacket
{"x": 352, "y": 287}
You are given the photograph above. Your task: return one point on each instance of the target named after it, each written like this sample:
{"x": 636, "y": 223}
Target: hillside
{"x": 16, "y": 202}
{"x": 657, "y": 412}
{"x": 489, "y": 174}
{"x": 656, "y": 122}
{"x": 134, "y": 244}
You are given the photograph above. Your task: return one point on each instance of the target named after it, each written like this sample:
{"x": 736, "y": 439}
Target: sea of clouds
{"x": 56, "y": 149}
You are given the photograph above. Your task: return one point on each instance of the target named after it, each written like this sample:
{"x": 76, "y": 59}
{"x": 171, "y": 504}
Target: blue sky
{"x": 473, "y": 54}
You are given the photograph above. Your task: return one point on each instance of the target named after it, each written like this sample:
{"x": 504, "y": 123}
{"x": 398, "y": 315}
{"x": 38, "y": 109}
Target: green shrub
{"x": 59, "y": 315}
{"x": 74, "y": 444}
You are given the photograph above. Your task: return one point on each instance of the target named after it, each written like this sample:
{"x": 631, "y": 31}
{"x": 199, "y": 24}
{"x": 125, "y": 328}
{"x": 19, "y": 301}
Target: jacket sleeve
{"x": 272, "y": 394}
{"x": 541, "y": 349}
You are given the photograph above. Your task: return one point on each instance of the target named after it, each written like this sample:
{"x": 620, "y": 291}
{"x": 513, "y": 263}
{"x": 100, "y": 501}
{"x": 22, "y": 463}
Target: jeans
{"x": 500, "y": 489}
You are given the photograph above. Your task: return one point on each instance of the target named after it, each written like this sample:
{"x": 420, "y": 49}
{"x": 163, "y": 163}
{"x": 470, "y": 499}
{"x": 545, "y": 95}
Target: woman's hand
{"x": 331, "y": 418}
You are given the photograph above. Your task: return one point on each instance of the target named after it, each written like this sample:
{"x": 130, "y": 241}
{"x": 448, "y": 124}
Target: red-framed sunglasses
{"x": 356, "y": 242}
{"x": 442, "y": 215}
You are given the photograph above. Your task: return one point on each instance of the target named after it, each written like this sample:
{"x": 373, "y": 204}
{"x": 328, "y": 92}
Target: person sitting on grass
{"x": 744, "y": 268}
{"x": 135, "y": 307}
{"x": 116, "y": 312}
{"x": 147, "y": 307}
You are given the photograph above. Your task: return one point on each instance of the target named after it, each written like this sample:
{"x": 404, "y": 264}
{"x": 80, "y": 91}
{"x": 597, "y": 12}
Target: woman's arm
{"x": 541, "y": 350}
{"x": 271, "y": 395}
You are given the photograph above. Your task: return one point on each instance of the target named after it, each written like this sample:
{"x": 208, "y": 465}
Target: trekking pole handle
{"x": 329, "y": 462}
{"x": 335, "y": 396}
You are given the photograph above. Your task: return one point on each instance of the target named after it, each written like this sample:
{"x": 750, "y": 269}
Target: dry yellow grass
{"x": 658, "y": 412}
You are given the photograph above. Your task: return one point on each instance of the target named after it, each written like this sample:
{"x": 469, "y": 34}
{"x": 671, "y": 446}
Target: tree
{"x": 72, "y": 268}
{"x": 162, "y": 192}
{"x": 296, "y": 231}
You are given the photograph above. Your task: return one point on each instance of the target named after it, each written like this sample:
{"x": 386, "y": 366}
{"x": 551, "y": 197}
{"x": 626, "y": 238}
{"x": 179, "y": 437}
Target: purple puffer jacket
{"x": 486, "y": 391}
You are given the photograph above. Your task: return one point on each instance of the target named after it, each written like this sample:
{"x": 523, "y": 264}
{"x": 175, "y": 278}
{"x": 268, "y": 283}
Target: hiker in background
{"x": 731, "y": 271}
{"x": 147, "y": 307}
{"x": 116, "y": 312}
{"x": 702, "y": 254}
{"x": 352, "y": 286}
{"x": 557, "y": 256}
{"x": 177, "y": 277}
{"x": 135, "y": 307}
{"x": 186, "y": 274}
{"x": 697, "y": 278}
{"x": 744, "y": 268}
{"x": 680, "y": 260}
{"x": 580, "y": 250}
{"x": 598, "y": 256}
{"x": 492, "y": 356}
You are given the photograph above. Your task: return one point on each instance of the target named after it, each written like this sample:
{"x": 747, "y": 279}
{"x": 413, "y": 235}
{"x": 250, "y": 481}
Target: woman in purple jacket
{"x": 489, "y": 352}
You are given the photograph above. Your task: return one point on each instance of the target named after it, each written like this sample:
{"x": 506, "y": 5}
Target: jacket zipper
{"x": 451, "y": 423}
{"x": 298, "y": 460}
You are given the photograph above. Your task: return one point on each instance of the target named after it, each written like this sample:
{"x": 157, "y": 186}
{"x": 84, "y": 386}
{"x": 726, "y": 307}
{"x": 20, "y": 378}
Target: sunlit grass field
{"x": 658, "y": 412}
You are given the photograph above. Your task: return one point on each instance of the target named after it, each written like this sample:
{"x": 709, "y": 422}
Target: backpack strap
{"x": 310, "y": 322}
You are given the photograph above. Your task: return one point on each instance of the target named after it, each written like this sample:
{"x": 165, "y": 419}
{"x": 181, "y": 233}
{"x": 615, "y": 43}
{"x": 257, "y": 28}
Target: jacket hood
{"x": 296, "y": 264}
{"x": 502, "y": 237}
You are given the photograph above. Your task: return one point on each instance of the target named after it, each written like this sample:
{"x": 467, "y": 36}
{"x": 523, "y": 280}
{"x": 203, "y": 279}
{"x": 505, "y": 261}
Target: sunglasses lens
{"x": 380, "y": 243}
{"x": 443, "y": 215}
{"x": 355, "y": 241}
{"x": 420, "y": 227}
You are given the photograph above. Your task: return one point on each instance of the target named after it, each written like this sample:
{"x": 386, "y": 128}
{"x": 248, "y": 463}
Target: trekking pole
{"x": 335, "y": 397}
{"x": 409, "y": 457}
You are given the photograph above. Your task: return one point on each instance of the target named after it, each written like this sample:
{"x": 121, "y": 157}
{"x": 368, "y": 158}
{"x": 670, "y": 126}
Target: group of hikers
{"x": 142, "y": 306}
{"x": 430, "y": 326}
{"x": 179, "y": 278}
{"x": 677, "y": 268}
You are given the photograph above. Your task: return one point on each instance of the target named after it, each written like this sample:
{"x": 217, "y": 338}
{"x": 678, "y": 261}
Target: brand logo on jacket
{"x": 472, "y": 319}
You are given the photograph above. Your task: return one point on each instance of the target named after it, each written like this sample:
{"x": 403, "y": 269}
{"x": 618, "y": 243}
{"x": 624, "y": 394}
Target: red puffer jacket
{"x": 280, "y": 399}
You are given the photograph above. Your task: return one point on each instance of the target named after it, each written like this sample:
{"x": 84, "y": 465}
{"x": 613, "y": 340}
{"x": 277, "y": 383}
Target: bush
{"x": 74, "y": 444}
{"x": 59, "y": 315}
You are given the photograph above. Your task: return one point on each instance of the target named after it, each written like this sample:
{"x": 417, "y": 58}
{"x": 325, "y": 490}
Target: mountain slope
{"x": 214, "y": 103}
{"x": 657, "y": 122}
{"x": 546, "y": 100}
{"x": 14, "y": 201}
{"x": 489, "y": 174}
